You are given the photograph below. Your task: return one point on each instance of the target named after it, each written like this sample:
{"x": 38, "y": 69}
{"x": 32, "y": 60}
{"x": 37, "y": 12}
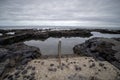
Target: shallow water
{"x": 50, "y": 46}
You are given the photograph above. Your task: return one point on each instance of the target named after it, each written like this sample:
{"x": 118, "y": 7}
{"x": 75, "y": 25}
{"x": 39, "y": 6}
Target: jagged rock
{"x": 100, "y": 48}
{"x": 16, "y": 54}
{"x": 3, "y": 53}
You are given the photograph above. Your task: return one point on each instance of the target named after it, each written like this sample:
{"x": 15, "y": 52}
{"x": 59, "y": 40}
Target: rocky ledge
{"x": 15, "y": 55}
{"x": 17, "y": 35}
{"x": 102, "y": 49}
{"x": 13, "y": 36}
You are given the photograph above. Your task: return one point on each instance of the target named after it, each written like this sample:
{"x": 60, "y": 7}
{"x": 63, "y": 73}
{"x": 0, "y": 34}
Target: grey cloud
{"x": 86, "y": 10}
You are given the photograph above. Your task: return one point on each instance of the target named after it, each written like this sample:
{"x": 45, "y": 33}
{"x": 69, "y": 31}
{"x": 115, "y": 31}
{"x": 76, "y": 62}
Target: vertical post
{"x": 59, "y": 51}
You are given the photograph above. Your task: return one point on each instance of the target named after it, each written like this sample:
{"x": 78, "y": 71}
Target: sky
{"x": 60, "y": 12}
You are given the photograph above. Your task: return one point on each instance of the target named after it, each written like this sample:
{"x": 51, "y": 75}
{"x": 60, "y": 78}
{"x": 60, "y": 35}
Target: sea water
{"x": 50, "y": 46}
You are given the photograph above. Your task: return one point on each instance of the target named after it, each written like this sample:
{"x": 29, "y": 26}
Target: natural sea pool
{"x": 50, "y": 45}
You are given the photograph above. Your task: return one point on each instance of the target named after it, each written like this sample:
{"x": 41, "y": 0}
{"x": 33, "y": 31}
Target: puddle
{"x": 50, "y": 46}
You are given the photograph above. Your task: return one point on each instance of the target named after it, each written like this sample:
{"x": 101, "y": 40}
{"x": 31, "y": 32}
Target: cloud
{"x": 79, "y": 10}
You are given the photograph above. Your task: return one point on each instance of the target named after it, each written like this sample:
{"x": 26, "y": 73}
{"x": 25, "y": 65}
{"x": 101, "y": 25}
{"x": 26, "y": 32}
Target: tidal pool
{"x": 50, "y": 45}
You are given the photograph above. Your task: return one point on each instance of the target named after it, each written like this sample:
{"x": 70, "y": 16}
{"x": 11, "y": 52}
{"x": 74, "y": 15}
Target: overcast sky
{"x": 89, "y": 12}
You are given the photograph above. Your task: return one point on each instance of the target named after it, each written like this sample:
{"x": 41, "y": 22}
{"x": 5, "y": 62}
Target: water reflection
{"x": 49, "y": 46}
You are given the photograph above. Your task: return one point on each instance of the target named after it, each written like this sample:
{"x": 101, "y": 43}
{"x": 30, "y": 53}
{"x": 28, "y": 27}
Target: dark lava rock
{"x": 10, "y": 77}
{"x": 33, "y": 73}
{"x": 101, "y": 49}
{"x": 17, "y": 73}
{"x": 33, "y": 68}
{"x": 29, "y": 67}
{"x": 20, "y": 53}
{"x": 24, "y": 72}
{"x": 16, "y": 55}
{"x": 17, "y": 76}
{"x": 77, "y": 68}
{"x": 70, "y": 33}
{"x": 91, "y": 61}
{"x": 84, "y": 65}
{"x": 3, "y": 53}
{"x": 6, "y": 75}
{"x": 101, "y": 64}
{"x": 51, "y": 64}
{"x": 42, "y": 63}
{"x": 92, "y": 65}
{"x": 52, "y": 69}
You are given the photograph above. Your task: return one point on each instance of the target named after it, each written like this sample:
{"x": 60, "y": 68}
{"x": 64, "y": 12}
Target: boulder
{"x": 100, "y": 48}
{"x": 17, "y": 54}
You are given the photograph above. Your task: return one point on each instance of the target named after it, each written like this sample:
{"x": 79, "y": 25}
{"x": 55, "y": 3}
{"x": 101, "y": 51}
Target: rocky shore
{"x": 104, "y": 49}
{"x": 15, "y": 55}
{"x": 19, "y": 61}
{"x": 13, "y": 36}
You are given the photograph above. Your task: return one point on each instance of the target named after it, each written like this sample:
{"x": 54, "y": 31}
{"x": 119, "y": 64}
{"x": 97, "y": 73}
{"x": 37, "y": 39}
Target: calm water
{"x": 50, "y": 45}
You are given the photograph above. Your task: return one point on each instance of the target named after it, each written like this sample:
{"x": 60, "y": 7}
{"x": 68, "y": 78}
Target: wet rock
{"x": 17, "y": 54}
{"x": 3, "y": 66}
{"x": 3, "y": 53}
{"x": 101, "y": 49}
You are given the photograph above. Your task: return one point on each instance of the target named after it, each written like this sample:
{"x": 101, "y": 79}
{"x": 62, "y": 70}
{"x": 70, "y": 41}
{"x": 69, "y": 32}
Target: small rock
{"x": 77, "y": 68}
{"x": 33, "y": 68}
{"x": 46, "y": 76}
{"x": 16, "y": 73}
{"x": 51, "y": 64}
{"x": 35, "y": 61}
{"x": 91, "y": 61}
{"x": 63, "y": 64}
{"x": 10, "y": 77}
{"x": 42, "y": 63}
{"x": 52, "y": 69}
{"x": 17, "y": 76}
{"x": 24, "y": 72}
{"x": 101, "y": 64}
{"x": 84, "y": 65}
{"x": 5, "y": 76}
{"x": 105, "y": 67}
{"x": 92, "y": 65}
{"x": 29, "y": 67}
{"x": 33, "y": 73}
{"x": 99, "y": 70}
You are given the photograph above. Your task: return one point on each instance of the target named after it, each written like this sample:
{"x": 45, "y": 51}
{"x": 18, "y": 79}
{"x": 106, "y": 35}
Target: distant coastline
{"x": 57, "y": 27}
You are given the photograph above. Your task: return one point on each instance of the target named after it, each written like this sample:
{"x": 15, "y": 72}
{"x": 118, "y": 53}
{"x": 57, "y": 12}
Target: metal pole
{"x": 59, "y": 52}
